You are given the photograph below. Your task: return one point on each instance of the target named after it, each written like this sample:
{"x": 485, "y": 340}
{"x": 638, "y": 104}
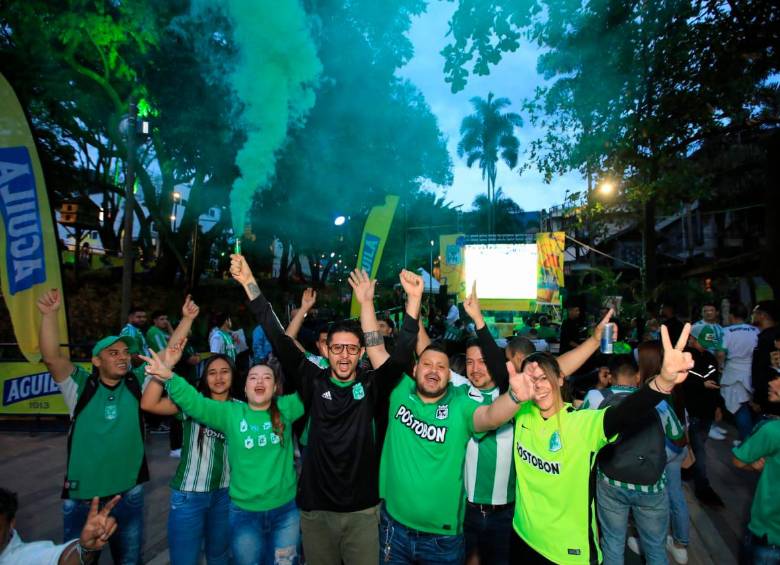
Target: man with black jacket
{"x": 338, "y": 491}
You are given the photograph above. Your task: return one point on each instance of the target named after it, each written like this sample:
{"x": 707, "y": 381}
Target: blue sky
{"x": 514, "y": 77}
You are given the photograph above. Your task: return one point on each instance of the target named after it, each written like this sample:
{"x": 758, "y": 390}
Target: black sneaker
{"x": 709, "y": 497}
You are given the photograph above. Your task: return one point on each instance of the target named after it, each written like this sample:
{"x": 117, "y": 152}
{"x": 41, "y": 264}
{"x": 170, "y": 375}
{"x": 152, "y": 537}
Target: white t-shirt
{"x": 739, "y": 341}
{"x": 38, "y": 552}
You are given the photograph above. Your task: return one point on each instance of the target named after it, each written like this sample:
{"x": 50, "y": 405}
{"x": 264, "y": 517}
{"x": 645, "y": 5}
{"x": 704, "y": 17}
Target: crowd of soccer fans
{"x": 398, "y": 441}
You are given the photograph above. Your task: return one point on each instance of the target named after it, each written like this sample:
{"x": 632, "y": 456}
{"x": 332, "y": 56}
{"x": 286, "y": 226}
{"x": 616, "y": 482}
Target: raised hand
{"x": 49, "y": 302}
{"x": 308, "y": 299}
{"x": 677, "y": 362}
{"x": 521, "y": 384}
{"x": 99, "y": 525}
{"x": 362, "y": 286}
{"x": 190, "y": 309}
{"x": 173, "y": 352}
{"x": 471, "y": 305}
{"x": 239, "y": 269}
{"x": 412, "y": 283}
{"x": 156, "y": 366}
{"x": 599, "y": 330}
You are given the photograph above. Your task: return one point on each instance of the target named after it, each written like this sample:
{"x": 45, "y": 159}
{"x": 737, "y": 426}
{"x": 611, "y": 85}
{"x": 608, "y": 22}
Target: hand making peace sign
{"x": 676, "y": 362}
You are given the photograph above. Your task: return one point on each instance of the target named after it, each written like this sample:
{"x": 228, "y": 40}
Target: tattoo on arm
{"x": 373, "y": 338}
{"x": 253, "y": 290}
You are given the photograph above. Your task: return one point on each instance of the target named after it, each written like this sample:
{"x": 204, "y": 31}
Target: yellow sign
{"x": 549, "y": 277}
{"x": 28, "y": 241}
{"x": 29, "y": 389}
{"x": 373, "y": 242}
{"x": 452, "y": 266}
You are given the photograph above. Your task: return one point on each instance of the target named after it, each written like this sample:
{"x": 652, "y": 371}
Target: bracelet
{"x": 513, "y": 397}
{"x": 84, "y": 552}
{"x": 659, "y": 389}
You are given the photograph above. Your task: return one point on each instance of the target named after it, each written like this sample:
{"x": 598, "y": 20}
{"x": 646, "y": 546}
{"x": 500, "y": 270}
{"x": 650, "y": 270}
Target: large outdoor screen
{"x": 505, "y": 271}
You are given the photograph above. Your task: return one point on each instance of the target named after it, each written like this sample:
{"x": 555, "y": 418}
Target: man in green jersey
{"x": 134, "y": 329}
{"x": 159, "y": 333}
{"x": 421, "y": 472}
{"x": 105, "y": 444}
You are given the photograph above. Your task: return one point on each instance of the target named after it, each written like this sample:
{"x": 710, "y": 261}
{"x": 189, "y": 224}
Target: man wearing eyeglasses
{"x": 338, "y": 491}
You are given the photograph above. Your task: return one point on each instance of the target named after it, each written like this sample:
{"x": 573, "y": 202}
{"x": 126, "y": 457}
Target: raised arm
{"x": 505, "y": 406}
{"x": 495, "y": 358}
{"x": 213, "y": 413}
{"x": 60, "y": 367}
{"x": 676, "y": 364}
{"x": 189, "y": 311}
{"x": 423, "y": 339}
{"x": 363, "y": 290}
{"x": 572, "y": 360}
{"x": 308, "y": 300}
{"x": 152, "y": 400}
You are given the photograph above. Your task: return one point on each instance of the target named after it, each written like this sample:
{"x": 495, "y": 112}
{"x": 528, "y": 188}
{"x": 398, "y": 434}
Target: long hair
{"x": 273, "y": 410}
{"x": 203, "y": 385}
{"x": 552, "y": 371}
{"x": 651, "y": 357}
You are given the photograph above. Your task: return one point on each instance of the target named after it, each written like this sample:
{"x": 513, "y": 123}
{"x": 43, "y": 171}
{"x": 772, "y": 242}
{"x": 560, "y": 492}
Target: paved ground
{"x": 33, "y": 464}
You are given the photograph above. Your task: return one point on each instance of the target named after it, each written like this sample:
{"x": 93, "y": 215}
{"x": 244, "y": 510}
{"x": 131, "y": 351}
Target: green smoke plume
{"x": 275, "y": 68}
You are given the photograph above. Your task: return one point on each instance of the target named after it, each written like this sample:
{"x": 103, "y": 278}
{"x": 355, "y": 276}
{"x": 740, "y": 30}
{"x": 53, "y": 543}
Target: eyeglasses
{"x": 337, "y": 348}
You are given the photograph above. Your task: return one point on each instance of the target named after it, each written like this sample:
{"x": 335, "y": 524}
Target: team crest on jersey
{"x": 442, "y": 411}
{"x": 274, "y": 439}
{"x": 262, "y": 441}
{"x": 267, "y": 426}
{"x": 249, "y": 443}
{"x": 255, "y": 428}
{"x": 358, "y": 392}
{"x": 243, "y": 426}
{"x": 555, "y": 441}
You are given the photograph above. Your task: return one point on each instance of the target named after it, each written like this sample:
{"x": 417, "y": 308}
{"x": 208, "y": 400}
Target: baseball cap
{"x": 111, "y": 340}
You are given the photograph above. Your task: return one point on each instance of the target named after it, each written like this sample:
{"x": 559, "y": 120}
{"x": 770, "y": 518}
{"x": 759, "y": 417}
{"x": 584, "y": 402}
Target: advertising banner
{"x": 29, "y": 389}
{"x": 550, "y": 267}
{"x": 28, "y": 240}
{"x": 452, "y": 264}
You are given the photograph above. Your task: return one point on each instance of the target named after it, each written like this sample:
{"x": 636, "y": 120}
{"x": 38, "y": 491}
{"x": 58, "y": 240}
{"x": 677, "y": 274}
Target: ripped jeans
{"x": 268, "y": 537}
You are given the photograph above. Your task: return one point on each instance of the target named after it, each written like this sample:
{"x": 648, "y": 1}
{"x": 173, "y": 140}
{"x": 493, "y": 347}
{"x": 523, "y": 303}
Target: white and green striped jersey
{"x": 204, "y": 464}
{"x": 489, "y": 471}
{"x": 222, "y": 342}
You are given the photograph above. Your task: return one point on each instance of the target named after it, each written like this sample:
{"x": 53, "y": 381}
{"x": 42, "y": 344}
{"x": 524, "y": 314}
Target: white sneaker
{"x": 633, "y": 544}
{"x": 716, "y": 434}
{"x": 175, "y": 453}
{"x": 736, "y": 443}
{"x": 718, "y": 429}
{"x": 679, "y": 554}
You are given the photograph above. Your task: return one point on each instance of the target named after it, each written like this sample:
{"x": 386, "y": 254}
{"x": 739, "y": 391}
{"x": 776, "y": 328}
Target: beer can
{"x": 607, "y": 339}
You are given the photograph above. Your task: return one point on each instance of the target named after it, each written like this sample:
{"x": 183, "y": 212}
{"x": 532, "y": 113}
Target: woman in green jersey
{"x": 198, "y": 516}
{"x": 264, "y": 519}
{"x": 555, "y": 450}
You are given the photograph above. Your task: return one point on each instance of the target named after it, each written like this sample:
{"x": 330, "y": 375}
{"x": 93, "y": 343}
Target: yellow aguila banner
{"x": 373, "y": 241}
{"x": 550, "y": 266}
{"x": 28, "y": 240}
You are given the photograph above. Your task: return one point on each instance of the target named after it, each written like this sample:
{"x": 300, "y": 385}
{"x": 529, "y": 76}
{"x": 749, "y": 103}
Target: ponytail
{"x": 276, "y": 420}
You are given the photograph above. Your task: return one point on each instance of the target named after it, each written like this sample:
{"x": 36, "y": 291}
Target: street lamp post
{"x": 430, "y": 284}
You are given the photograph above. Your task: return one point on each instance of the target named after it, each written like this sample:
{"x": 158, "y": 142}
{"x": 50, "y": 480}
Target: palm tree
{"x": 487, "y": 135}
{"x": 507, "y": 215}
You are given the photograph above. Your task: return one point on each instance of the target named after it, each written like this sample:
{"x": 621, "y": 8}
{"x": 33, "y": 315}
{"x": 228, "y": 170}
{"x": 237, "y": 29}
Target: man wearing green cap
{"x": 106, "y": 438}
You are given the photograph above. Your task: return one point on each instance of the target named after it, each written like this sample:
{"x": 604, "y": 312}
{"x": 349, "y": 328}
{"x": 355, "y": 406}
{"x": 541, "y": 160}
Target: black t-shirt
{"x": 572, "y": 330}
{"x": 700, "y": 401}
{"x": 341, "y": 467}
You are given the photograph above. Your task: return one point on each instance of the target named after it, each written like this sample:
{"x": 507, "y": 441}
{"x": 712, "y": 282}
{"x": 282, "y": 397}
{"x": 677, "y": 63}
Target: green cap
{"x": 111, "y": 340}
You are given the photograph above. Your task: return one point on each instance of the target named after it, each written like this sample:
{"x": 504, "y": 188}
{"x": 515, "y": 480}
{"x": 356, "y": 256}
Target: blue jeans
{"x": 265, "y": 537}
{"x": 127, "y": 542}
{"x": 743, "y": 418}
{"x": 678, "y": 507}
{"x": 651, "y": 514}
{"x": 489, "y": 533}
{"x": 199, "y": 521}
{"x": 756, "y": 552}
{"x": 399, "y": 545}
{"x": 698, "y": 431}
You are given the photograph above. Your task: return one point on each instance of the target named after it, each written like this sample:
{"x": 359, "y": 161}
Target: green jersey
{"x": 106, "y": 446}
{"x": 709, "y": 336}
{"x": 140, "y": 347}
{"x": 157, "y": 339}
{"x": 489, "y": 470}
{"x": 222, "y": 342}
{"x": 262, "y": 475}
{"x": 204, "y": 465}
{"x": 421, "y": 471}
{"x": 555, "y": 507}
{"x": 765, "y": 511}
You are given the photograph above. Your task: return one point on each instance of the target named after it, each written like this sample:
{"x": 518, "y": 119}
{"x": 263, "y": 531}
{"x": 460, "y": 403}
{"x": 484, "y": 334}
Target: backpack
{"x": 639, "y": 454}
{"x": 90, "y": 388}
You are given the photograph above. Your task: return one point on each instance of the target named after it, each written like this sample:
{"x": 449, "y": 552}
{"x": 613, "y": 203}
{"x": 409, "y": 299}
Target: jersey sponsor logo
{"x": 27, "y": 387}
{"x": 442, "y": 412}
{"x": 551, "y": 468}
{"x": 436, "y": 434}
{"x": 208, "y": 432}
{"x": 326, "y": 395}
